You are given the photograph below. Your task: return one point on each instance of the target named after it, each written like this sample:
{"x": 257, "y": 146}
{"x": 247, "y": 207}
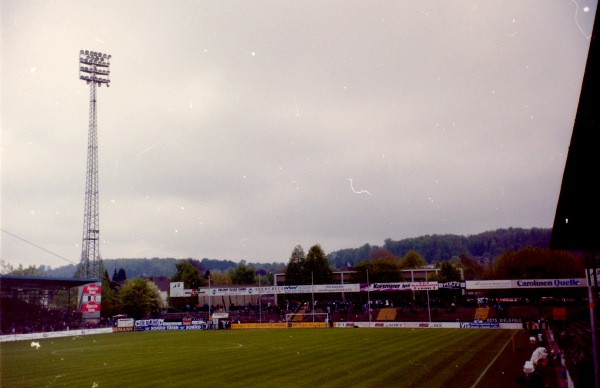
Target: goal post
{"x": 308, "y": 317}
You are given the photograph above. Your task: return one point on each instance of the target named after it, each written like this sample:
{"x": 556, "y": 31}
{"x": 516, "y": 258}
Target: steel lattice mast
{"x": 94, "y": 69}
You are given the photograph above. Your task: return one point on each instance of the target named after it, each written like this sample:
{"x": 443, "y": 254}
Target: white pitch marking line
{"x": 491, "y": 362}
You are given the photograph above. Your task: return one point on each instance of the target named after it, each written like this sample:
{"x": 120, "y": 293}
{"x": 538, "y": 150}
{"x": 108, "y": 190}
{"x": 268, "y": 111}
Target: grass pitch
{"x": 261, "y": 358}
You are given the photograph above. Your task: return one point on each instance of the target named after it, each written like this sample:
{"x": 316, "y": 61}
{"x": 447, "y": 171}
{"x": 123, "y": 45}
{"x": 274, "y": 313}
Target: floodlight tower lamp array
{"x": 97, "y": 70}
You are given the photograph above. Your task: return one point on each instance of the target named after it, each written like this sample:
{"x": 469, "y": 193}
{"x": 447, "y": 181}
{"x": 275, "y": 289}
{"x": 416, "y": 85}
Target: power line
{"x": 37, "y": 246}
{"x": 67, "y": 260}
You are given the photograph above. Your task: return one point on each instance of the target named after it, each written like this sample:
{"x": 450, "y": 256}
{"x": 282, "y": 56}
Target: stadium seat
{"x": 387, "y": 314}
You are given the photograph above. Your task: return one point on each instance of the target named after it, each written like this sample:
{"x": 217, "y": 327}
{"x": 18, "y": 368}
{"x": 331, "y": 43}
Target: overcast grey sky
{"x": 238, "y": 129}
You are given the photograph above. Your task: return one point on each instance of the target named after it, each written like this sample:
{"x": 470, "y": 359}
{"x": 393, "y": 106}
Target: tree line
{"x": 437, "y": 248}
{"x": 433, "y": 248}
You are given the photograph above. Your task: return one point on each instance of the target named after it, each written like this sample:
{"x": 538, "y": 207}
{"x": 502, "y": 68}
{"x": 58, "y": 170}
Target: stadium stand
{"x": 25, "y": 304}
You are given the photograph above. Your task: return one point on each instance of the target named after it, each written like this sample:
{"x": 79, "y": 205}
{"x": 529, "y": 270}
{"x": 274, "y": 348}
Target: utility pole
{"x": 94, "y": 70}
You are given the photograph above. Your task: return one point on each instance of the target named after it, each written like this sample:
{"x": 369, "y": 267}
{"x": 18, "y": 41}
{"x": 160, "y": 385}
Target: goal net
{"x": 307, "y": 317}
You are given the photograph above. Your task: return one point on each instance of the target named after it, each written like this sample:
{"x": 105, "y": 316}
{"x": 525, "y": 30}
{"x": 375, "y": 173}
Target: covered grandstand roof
{"x": 10, "y": 283}
{"x": 576, "y": 222}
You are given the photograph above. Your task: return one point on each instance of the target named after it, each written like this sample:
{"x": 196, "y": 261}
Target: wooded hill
{"x": 434, "y": 248}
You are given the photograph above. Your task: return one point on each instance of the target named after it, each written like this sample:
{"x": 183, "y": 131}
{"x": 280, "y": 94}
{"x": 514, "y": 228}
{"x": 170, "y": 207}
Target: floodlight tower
{"x": 94, "y": 70}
